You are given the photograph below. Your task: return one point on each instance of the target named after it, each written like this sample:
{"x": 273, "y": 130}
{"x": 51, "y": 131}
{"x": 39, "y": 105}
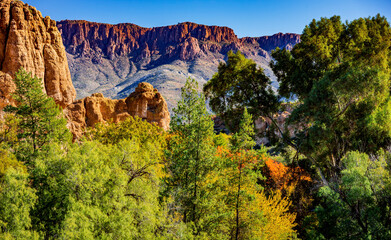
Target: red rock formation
{"x": 90, "y": 39}
{"x": 145, "y": 103}
{"x": 30, "y": 41}
{"x": 110, "y": 58}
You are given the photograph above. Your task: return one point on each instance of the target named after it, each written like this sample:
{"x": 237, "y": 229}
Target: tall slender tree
{"x": 242, "y": 142}
{"x": 190, "y": 156}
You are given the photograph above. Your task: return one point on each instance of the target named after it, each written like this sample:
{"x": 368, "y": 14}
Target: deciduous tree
{"x": 240, "y": 83}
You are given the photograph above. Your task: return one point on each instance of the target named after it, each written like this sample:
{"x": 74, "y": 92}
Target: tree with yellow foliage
{"x": 251, "y": 213}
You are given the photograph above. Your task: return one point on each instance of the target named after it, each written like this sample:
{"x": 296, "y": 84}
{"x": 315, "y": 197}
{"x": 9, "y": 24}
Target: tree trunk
{"x": 237, "y": 203}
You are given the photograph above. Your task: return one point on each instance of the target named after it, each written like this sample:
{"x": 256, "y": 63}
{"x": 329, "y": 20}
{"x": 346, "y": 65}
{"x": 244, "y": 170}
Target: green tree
{"x": 8, "y": 132}
{"x": 240, "y": 83}
{"x": 99, "y": 191}
{"x": 357, "y": 207}
{"x": 40, "y": 120}
{"x": 17, "y": 199}
{"x": 341, "y": 76}
{"x": 345, "y": 103}
{"x": 106, "y": 187}
{"x": 318, "y": 51}
{"x": 132, "y": 128}
{"x": 8, "y": 160}
{"x": 242, "y": 142}
{"x": 244, "y": 138}
{"x": 190, "y": 161}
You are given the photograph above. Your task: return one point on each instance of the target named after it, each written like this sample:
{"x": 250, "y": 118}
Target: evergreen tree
{"x": 40, "y": 120}
{"x": 191, "y": 160}
{"x": 242, "y": 142}
{"x": 243, "y": 139}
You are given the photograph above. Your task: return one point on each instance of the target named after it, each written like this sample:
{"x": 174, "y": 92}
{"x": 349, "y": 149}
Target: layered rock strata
{"x": 184, "y": 41}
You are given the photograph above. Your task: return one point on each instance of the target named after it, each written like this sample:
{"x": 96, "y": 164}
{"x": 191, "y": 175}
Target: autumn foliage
{"x": 284, "y": 178}
{"x": 264, "y": 214}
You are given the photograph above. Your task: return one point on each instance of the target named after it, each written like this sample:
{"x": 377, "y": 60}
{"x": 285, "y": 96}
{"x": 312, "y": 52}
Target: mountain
{"x": 113, "y": 59}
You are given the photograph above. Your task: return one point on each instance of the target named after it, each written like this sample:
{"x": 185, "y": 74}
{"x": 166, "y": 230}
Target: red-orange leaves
{"x": 282, "y": 177}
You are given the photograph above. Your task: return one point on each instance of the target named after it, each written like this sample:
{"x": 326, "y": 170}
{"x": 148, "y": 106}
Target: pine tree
{"x": 243, "y": 139}
{"x": 39, "y": 119}
{"x": 242, "y": 142}
{"x": 191, "y": 157}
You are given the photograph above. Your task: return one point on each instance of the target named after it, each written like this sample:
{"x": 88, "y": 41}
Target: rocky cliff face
{"x": 270, "y": 43}
{"x": 113, "y": 59}
{"x": 30, "y": 41}
{"x": 145, "y": 103}
{"x": 96, "y": 40}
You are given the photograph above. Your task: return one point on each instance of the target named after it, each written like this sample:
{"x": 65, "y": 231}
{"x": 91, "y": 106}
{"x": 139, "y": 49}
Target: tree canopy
{"x": 239, "y": 83}
{"x": 340, "y": 73}
{"x": 341, "y": 76}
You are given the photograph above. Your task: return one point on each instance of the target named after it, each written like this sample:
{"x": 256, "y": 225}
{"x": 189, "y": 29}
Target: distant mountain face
{"x": 113, "y": 59}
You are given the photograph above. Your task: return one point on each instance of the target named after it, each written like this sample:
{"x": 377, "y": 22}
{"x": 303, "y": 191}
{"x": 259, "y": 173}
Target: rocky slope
{"x": 30, "y": 41}
{"x": 113, "y": 59}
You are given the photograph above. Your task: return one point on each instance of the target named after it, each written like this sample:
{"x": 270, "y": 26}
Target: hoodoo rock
{"x": 29, "y": 41}
{"x": 145, "y": 103}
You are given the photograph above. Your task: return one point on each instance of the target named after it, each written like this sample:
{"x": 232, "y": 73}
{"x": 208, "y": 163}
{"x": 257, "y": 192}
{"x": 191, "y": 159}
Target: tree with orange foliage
{"x": 293, "y": 182}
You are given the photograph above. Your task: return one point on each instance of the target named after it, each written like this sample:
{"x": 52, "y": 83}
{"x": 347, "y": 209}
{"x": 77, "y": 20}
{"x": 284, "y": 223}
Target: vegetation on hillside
{"x": 131, "y": 180}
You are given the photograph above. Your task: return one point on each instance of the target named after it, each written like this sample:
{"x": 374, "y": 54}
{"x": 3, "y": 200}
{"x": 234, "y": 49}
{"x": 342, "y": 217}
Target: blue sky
{"x": 246, "y": 17}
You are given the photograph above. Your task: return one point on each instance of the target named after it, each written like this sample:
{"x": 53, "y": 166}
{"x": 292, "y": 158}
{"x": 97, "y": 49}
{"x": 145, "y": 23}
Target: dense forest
{"x": 324, "y": 175}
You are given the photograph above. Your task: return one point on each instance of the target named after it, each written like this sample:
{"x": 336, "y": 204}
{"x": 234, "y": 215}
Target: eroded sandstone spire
{"x": 30, "y": 41}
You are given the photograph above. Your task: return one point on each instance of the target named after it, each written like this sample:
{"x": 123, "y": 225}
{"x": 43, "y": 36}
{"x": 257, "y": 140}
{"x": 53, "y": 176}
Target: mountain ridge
{"x": 113, "y": 58}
